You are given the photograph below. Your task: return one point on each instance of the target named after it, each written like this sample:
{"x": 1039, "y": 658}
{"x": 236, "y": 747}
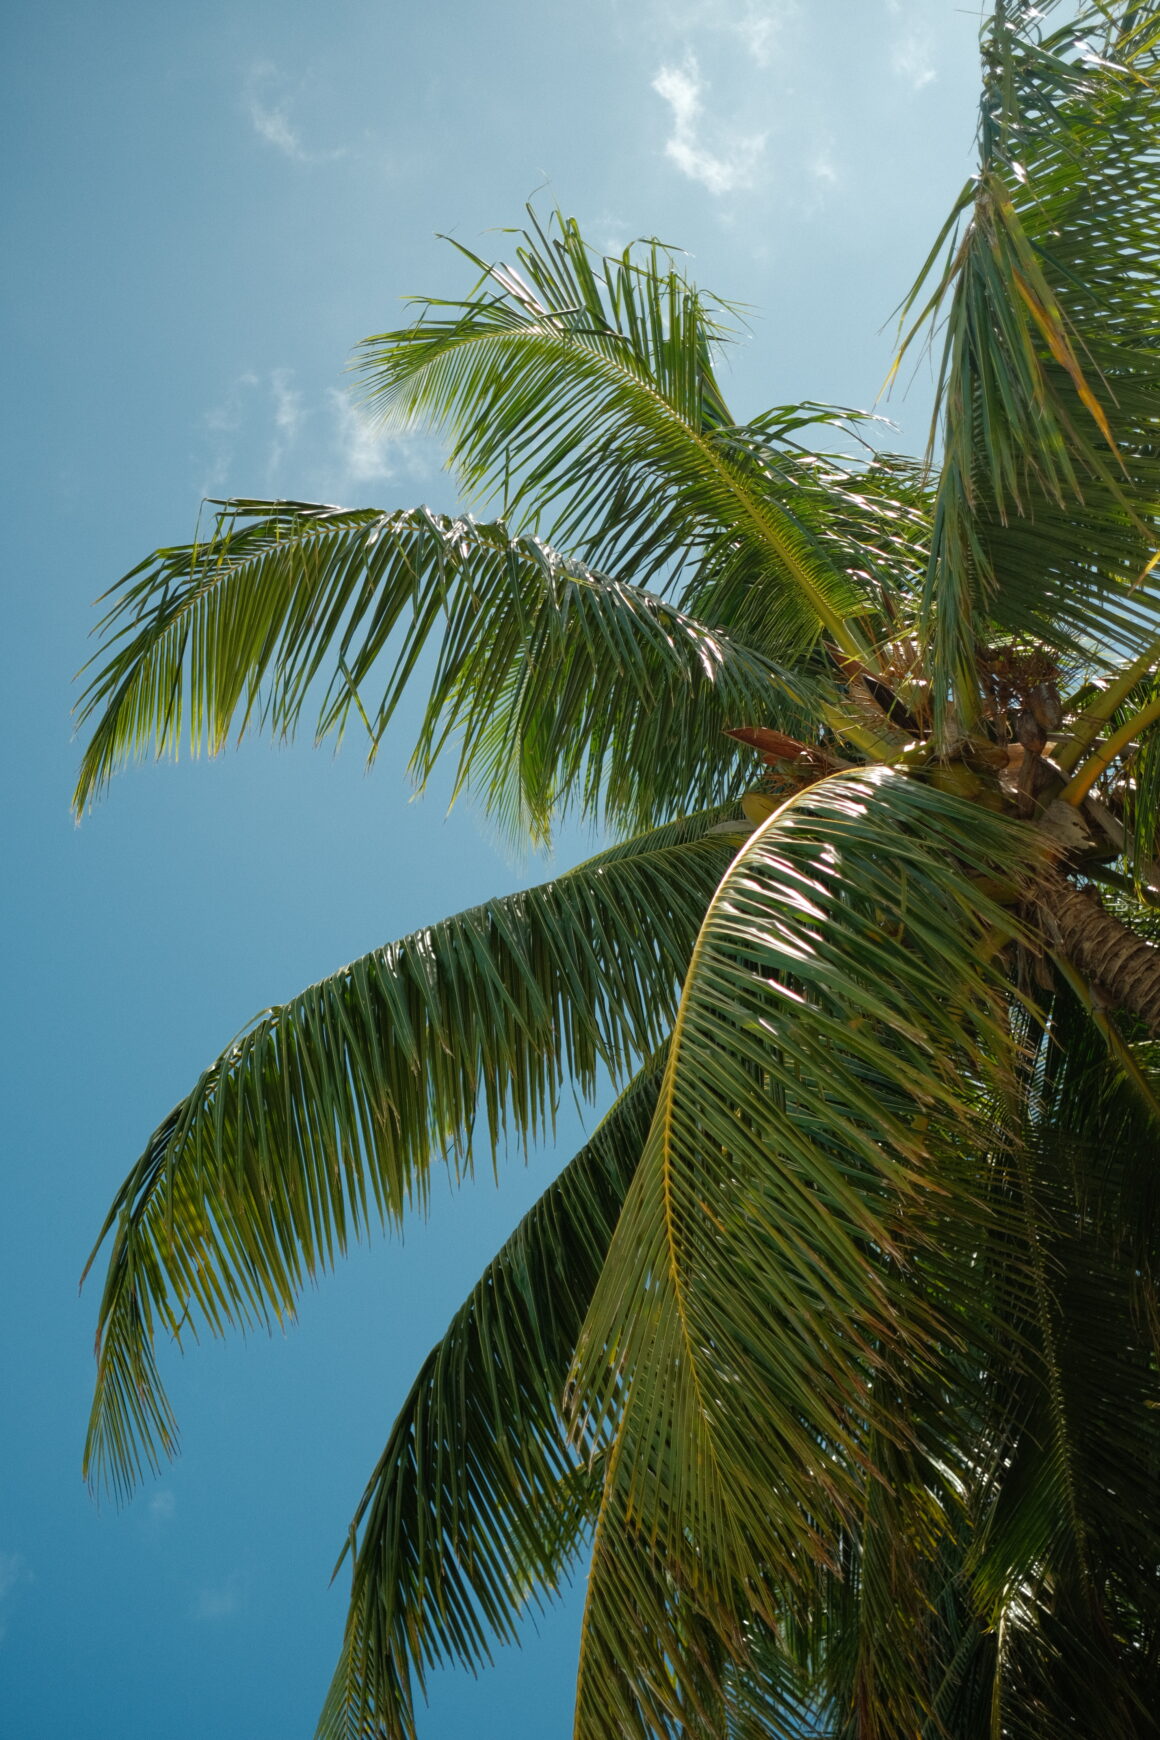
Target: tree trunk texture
{"x": 1122, "y": 969}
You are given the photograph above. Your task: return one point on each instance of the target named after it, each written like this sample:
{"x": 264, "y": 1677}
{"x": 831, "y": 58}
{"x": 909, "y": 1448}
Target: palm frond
{"x": 562, "y": 689}
{"x": 326, "y": 1115}
{"x": 1046, "y": 520}
{"x": 589, "y": 383}
{"x": 767, "y": 1696}
{"x": 1066, "y": 1544}
{"x": 479, "y": 1503}
{"x": 839, "y": 1040}
{"x": 872, "y": 517}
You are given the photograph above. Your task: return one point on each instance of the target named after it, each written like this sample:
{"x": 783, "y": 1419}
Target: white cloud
{"x": 720, "y": 171}
{"x": 236, "y": 422}
{"x": 759, "y": 28}
{"x": 288, "y": 417}
{"x": 365, "y": 452}
{"x": 912, "y": 61}
{"x": 757, "y": 37}
{"x": 269, "y": 110}
{"x": 224, "y": 423}
{"x": 323, "y": 445}
{"x": 221, "y": 1602}
{"x": 273, "y": 125}
{"x": 288, "y": 411}
{"x": 757, "y": 24}
{"x": 226, "y": 417}
{"x": 162, "y": 1506}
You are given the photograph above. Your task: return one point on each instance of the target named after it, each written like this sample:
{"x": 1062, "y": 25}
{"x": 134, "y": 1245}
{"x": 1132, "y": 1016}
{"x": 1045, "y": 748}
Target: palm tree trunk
{"x": 1122, "y": 969}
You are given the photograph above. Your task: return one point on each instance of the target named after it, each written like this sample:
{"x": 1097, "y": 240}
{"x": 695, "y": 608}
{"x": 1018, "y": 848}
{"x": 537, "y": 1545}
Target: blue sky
{"x": 211, "y": 204}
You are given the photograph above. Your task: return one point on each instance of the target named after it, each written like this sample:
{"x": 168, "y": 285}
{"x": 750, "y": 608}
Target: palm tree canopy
{"x": 836, "y": 1346}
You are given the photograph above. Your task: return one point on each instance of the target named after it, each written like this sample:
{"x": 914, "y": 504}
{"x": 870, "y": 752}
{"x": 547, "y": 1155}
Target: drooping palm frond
{"x": 561, "y": 688}
{"x": 829, "y": 1084}
{"x": 1047, "y": 520}
{"x": 1036, "y": 1614}
{"x": 479, "y": 1504}
{"x": 588, "y": 384}
{"x": 327, "y": 1114}
{"x": 766, "y": 1696}
{"x": 1062, "y": 1567}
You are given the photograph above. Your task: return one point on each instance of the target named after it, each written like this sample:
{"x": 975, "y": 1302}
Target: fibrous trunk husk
{"x": 1122, "y": 969}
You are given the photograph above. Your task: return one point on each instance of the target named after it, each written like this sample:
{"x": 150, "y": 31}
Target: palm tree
{"x": 836, "y": 1346}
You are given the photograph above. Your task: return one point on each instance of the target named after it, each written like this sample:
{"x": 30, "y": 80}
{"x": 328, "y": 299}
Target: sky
{"x": 207, "y": 206}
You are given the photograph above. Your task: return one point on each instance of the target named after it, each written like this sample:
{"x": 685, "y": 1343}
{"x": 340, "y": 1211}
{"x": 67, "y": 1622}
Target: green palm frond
{"x": 561, "y": 688}
{"x": 327, "y": 1114}
{"x": 832, "y": 1070}
{"x": 1047, "y": 516}
{"x": 479, "y": 1504}
{"x": 1128, "y": 784}
{"x": 872, "y": 518}
{"x": 1019, "y": 1613}
{"x": 1063, "y": 1565}
{"x": 588, "y": 383}
{"x": 766, "y": 1696}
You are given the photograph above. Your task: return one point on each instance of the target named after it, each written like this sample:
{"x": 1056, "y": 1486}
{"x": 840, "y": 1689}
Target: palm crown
{"x": 836, "y": 1345}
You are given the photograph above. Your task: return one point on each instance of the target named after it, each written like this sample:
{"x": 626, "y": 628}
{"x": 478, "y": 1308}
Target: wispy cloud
{"x": 288, "y": 411}
{"x": 720, "y": 170}
{"x": 288, "y": 416}
{"x": 162, "y": 1506}
{"x": 760, "y": 29}
{"x": 222, "y": 1601}
{"x": 365, "y": 452}
{"x": 226, "y": 417}
{"x": 913, "y": 61}
{"x": 268, "y": 103}
{"x": 757, "y": 24}
{"x": 273, "y": 125}
{"x": 301, "y": 443}
{"x": 224, "y": 423}
{"x": 256, "y": 408}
